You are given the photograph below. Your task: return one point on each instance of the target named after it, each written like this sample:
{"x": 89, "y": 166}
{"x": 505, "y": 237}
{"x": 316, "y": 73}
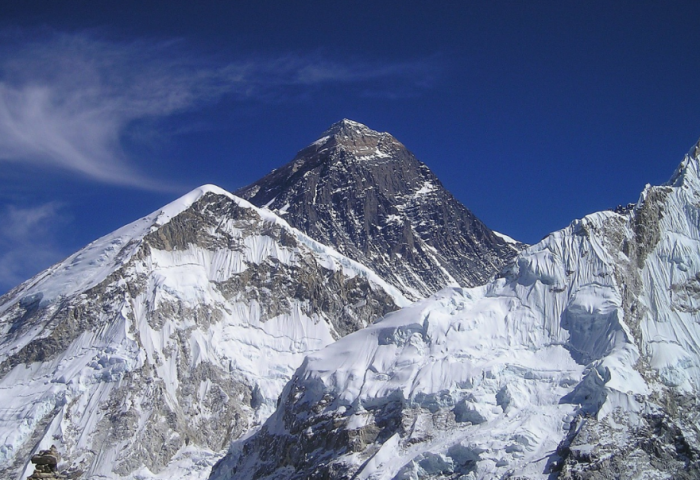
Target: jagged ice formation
{"x": 580, "y": 361}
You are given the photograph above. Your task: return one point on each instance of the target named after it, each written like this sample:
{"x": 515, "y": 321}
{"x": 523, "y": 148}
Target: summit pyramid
{"x": 367, "y": 195}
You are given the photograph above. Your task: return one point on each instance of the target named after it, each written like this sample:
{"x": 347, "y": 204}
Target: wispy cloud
{"x": 27, "y": 242}
{"x": 66, "y": 100}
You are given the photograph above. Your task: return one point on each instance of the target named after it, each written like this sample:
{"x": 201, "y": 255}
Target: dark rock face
{"x": 313, "y": 439}
{"x": 662, "y": 444}
{"x": 364, "y": 193}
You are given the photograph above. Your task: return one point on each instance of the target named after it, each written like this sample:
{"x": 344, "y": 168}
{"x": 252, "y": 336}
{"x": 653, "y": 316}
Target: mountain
{"x": 580, "y": 361}
{"x": 147, "y": 352}
{"x": 365, "y": 194}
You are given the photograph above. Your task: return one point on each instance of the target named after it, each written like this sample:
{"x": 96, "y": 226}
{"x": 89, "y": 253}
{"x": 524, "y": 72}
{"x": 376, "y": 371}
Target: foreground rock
{"x": 46, "y": 465}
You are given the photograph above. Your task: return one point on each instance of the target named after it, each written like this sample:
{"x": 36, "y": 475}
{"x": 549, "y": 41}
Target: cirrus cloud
{"x": 66, "y": 100}
{"x": 27, "y": 241}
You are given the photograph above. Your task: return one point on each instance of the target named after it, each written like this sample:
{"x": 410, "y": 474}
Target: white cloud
{"x": 27, "y": 243}
{"x": 66, "y": 100}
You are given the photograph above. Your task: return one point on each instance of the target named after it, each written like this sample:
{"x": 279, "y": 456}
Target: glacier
{"x": 581, "y": 360}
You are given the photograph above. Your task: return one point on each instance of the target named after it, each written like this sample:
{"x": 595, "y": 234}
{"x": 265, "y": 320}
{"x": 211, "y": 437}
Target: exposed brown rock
{"x": 46, "y": 464}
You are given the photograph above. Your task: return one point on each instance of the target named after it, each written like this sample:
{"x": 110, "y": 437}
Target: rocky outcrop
{"x": 365, "y": 194}
{"x": 662, "y": 443}
{"x": 46, "y": 465}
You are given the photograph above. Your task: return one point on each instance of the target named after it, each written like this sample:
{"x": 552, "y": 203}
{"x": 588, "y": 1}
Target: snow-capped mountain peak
{"x": 688, "y": 172}
{"x": 347, "y": 141}
{"x": 144, "y": 354}
{"x": 350, "y": 128}
{"x": 95, "y": 262}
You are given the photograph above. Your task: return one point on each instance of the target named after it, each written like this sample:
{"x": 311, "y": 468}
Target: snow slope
{"x": 582, "y": 360}
{"x": 144, "y": 354}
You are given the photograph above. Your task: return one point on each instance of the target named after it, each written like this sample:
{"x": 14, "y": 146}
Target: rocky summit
{"x": 364, "y": 193}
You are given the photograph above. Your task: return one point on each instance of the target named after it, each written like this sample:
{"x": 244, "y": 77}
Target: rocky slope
{"x": 582, "y": 361}
{"x": 144, "y": 354}
{"x": 364, "y": 193}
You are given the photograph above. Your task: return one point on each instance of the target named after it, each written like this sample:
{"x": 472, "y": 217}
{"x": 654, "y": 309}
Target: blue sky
{"x": 531, "y": 113}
